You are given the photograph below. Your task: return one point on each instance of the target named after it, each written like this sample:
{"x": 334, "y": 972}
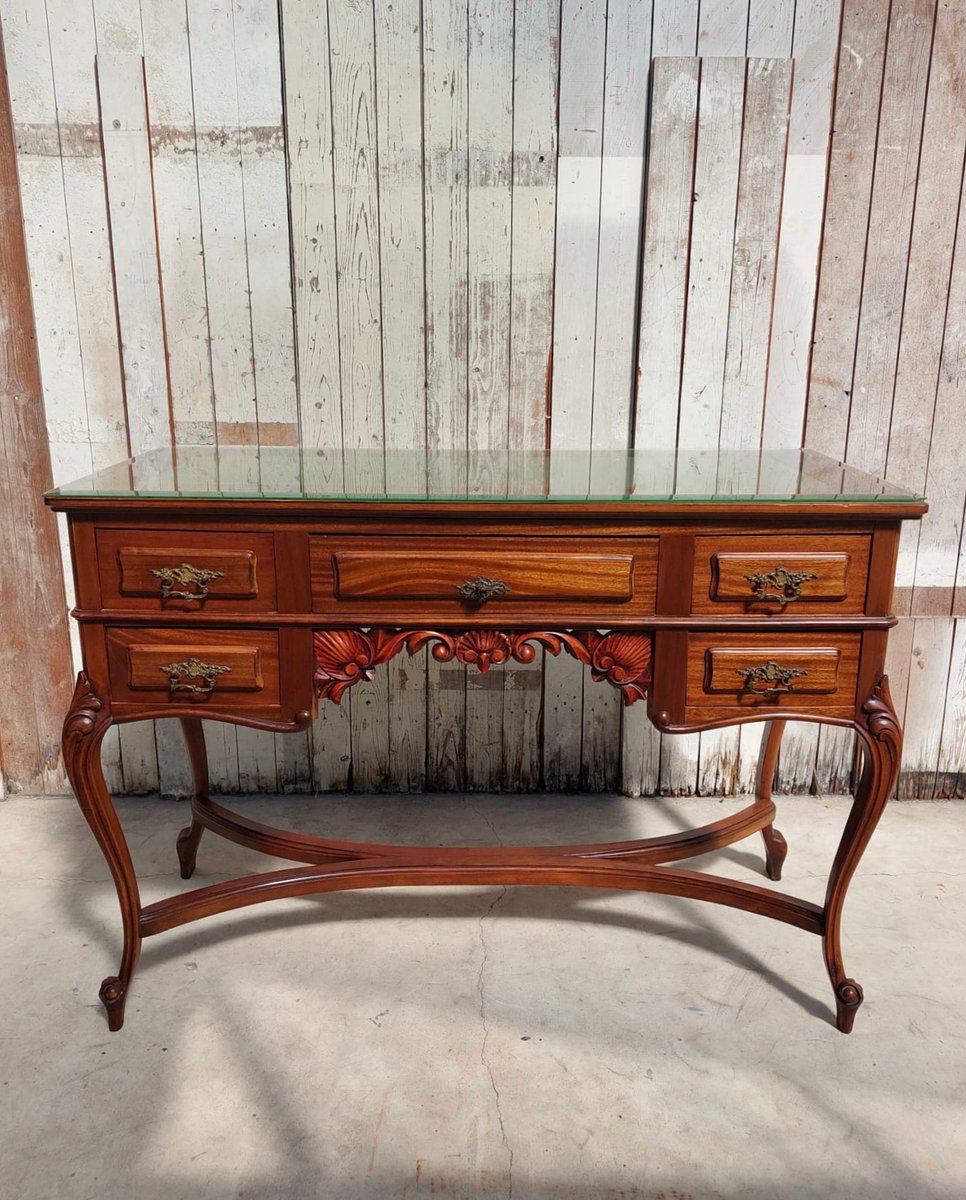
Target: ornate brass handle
{"x": 193, "y": 668}
{"x": 785, "y": 585}
{"x": 777, "y": 678}
{"x": 481, "y": 589}
{"x": 184, "y": 576}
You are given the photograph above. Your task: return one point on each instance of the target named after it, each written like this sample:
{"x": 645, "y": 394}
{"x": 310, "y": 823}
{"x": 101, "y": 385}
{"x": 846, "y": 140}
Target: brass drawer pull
{"x": 778, "y": 678}
{"x": 193, "y": 668}
{"x": 481, "y": 589}
{"x": 185, "y": 575}
{"x": 785, "y": 585}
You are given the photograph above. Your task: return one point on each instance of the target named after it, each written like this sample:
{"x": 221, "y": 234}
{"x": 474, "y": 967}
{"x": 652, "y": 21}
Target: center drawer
{"x": 518, "y": 578}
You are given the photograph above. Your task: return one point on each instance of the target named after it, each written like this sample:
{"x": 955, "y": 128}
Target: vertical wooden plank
{"x": 401, "y": 248}
{"x": 72, "y": 50}
{"x": 951, "y": 774}
{"x": 35, "y": 644}
{"x": 258, "y": 67}
{"x": 626, "y": 70}
{"x": 181, "y": 268}
{"x": 764, "y": 137}
{"x": 845, "y": 228}
{"x": 308, "y": 132}
{"x": 890, "y": 222}
{"x": 771, "y": 25}
{"x": 137, "y": 290}
{"x": 445, "y": 187}
{"x": 723, "y": 28}
{"x": 221, "y": 188}
{"x": 720, "y": 109}
{"x": 535, "y": 80}
{"x": 218, "y": 38}
{"x": 353, "y": 67}
{"x": 664, "y": 281}
{"x": 581, "y": 106}
{"x": 535, "y": 84}
{"x": 308, "y": 119}
{"x": 582, "y": 74}
{"x": 923, "y": 726}
{"x": 928, "y": 280}
{"x": 930, "y": 290}
{"x": 796, "y": 760}
{"x": 352, "y": 64}
{"x": 667, "y": 235}
{"x": 814, "y": 47}
{"x": 710, "y": 759}
{"x": 174, "y": 159}
{"x": 127, "y": 169}
{"x": 675, "y": 27}
{"x": 445, "y": 170}
{"x": 54, "y": 102}
{"x": 46, "y": 226}
{"x": 489, "y": 219}
{"x": 940, "y": 537}
{"x": 621, "y": 192}
{"x": 834, "y": 761}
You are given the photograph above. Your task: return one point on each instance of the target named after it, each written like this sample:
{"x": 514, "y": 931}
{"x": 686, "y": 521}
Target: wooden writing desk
{"x": 244, "y": 587}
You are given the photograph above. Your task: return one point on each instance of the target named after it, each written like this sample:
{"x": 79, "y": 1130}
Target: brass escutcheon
{"x": 481, "y": 589}
{"x": 184, "y": 576}
{"x": 778, "y": 678}
{"x": 193, "y": 668}
{"x": 786, "y": 585}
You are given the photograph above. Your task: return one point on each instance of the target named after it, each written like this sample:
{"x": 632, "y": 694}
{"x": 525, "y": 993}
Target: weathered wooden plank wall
{"x": 345, "y": 222}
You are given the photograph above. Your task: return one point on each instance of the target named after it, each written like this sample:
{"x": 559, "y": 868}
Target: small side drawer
{"x": 423, "y": 575}
{"x": 237, "y": 668}
{"x": 782, "y": 575}
{"x": 754, "y": 670}
{"x": 154, "y": 570}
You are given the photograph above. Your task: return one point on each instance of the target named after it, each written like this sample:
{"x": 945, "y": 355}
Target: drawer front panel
{"x": 159, "y": 571}
{"x": 528, "y": 573}
{"x": 219, "y": 667}
{"x": 782, "y": 575}
{"x": 756, "y": 670}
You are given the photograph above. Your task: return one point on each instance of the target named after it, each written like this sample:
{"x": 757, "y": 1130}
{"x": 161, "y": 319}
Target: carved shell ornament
{"x": 344, "y": 656}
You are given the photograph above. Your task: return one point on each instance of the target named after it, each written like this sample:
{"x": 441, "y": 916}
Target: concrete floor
{"x": 532, "y": 1043}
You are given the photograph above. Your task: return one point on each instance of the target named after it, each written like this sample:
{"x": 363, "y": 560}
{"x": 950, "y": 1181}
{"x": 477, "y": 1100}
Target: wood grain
{"x": 35, "y": 644}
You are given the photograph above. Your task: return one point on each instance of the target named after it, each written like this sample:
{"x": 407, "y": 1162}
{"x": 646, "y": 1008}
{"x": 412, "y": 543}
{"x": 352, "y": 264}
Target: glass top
{"x": 632, "y": 477}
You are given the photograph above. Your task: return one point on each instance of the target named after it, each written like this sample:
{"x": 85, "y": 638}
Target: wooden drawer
{"x": 217, "y": 668}
{"x": 422, "y": 576}
{"x": 812, "y": 574}
{"x": 226, "y": 572}
{"x": 793, "y": 670}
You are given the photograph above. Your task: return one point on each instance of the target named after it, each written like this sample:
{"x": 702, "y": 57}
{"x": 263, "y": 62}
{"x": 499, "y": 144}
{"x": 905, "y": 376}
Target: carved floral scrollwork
{"x": 345, "y": 656}
{"x": 86, "y": 710}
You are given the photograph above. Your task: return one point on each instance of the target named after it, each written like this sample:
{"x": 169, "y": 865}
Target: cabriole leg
{"x": 881, "y": 739}
{"x": 190, "y": 836}
{"x": 775, "y": 845}
{"x": 87, "y": 721}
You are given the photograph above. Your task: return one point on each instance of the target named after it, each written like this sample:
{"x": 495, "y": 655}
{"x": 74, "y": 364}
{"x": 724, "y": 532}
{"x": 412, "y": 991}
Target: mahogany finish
{"x": 711, "y": 613}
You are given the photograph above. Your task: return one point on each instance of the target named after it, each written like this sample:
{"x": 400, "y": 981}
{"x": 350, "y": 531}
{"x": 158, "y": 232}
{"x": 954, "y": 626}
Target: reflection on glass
{"x": 553, "y": 476}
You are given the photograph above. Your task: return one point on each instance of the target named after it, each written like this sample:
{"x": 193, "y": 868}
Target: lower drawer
{"x": 791, "y": 670}
{"x": 234, "y": 668}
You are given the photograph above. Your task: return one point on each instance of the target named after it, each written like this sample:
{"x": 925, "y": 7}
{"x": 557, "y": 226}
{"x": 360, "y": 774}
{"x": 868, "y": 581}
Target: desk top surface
{"x": 633, "y": 478}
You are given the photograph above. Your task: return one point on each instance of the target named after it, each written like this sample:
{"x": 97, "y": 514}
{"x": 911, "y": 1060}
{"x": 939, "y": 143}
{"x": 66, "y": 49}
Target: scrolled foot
{"x": 848, "y": 998}
{"x": 775, "y": 850}
{"x": 187, "y": 847}
{"x": 113, "y": 993}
